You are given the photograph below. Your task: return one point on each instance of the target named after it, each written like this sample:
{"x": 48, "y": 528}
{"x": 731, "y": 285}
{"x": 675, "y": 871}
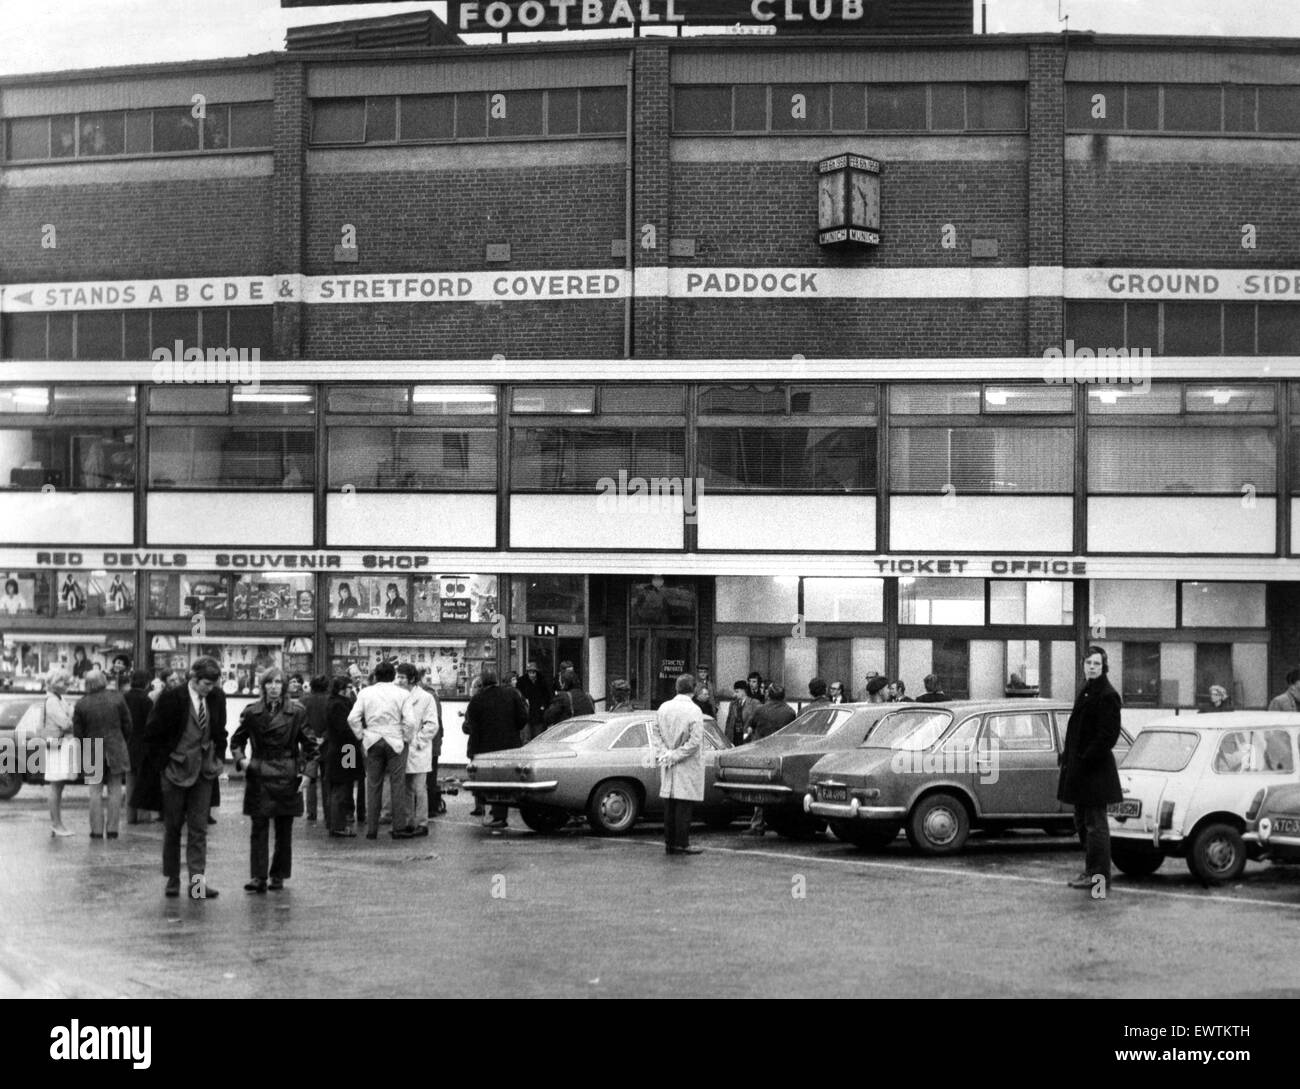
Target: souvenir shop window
{"x": 549, "y": 599}
{"x": 30, "y": 657}
{"x": 453, "y": 663}
{"x": 274, "y": 597}
{"x": 369, "y": 597}
{"x": 27, "y": 593}
{"x": 95, "y": 593}
{"x": 174, "y": 596}
{"x": 242, "y": 663}
{"x": 465, "y": 599}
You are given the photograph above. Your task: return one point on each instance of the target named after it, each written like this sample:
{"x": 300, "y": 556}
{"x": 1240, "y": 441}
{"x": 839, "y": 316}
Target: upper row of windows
{"x": 168, "y": 131}
{"x": 1182, "y": 107}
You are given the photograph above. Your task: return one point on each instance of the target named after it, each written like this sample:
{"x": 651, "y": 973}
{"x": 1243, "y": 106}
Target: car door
{"x": 631, "y": 757}
{"x": 1016, "y": 772}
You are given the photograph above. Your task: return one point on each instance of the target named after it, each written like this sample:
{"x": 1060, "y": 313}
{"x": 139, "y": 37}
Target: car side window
{"x": 634, "y": 737}
{"x": 1019, "y": 732}
{"x": 1246, "y": 751}
{"x": 711, "y": 739}
{"x": 962, "y": 739}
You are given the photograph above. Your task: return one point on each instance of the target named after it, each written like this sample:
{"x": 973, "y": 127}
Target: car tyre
{"x": 938, "y": 825}
{"x": 865, "y": 835}
{"x": 1135, "y": 861}
{"x": 10, "y": 784}
{"x": 543, "y": 818}
{"x": 614, "y": 808}
{"x": 1217, "y": 854}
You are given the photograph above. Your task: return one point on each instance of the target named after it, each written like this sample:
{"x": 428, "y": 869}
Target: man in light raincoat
{"x": 677, "y": 738}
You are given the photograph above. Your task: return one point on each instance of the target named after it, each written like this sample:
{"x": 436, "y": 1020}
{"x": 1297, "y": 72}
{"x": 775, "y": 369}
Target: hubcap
{"x": 940, "y": 825}
{"x": 615, "y": 807}
{"x": 1220, "y": 855}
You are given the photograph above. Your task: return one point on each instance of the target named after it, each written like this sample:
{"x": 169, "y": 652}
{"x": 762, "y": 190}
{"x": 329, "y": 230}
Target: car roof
{"x": 1226, "y": 720}
{"x": 1003, "y": 704}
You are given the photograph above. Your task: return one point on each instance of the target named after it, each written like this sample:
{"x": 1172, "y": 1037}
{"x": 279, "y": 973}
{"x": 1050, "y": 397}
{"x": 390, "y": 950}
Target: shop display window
{"x": 454, "y": 663}
{"x": 26, "y": 659}
{"x": 438, "y": 599}
{"x": 95, "y": 593}
{"x": 180, "y": 596}
{"x": 27, "y": 593}
{"x": 369, "y": 597}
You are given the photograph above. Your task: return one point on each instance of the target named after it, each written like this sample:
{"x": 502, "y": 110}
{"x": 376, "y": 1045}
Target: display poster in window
{"x": 95, "y": 593}
{"x": 366, "y": 597}
{"x": 283, "y": 598}
{"x": 469, "y": 599}
{"x": 206, "y": 594}
{"x": 26, "y": 593}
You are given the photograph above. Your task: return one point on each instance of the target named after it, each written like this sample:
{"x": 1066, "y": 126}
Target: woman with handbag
{"x": 275, "y": 727}
{"x": 61, "y": 749}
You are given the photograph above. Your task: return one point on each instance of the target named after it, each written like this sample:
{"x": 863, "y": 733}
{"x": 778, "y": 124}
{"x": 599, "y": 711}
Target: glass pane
{"x": 515, "y": 113}
{"x": 947, "y": 107}
{"x": 984, "y": 460}
{"x": 275, "y": 597}
{"x": 1223, "y": 604}
{"x": 139, "y": 132}
{"x": 175, "y": 130}
{"x": 788, "y": 459}
{"x": 1231, "y": 399}
{"x": 943, "y": 400}
{"x": 214, "y": 328}
{"x": 34, "y": 399}
{"x": 1279, "y": 109}
{"x": 561, "y": 112}
{"x": 1140, "y": 686}
{"x": 1238, "y": 109}
{"x": 428, "y": 117}
{"x": 29, "y": 138}
{"x": 24, "y": 336}
{"x": 381, "y": 119}
{"x": 603, "y": 109}
{"x": 702, "y": 109}
{"x": 639, "y": 400}
{"x": 1193, "y": 329}
{"x": 471, "y": 115}
{"x": 1160, "y": 399}
{"x": 391, "y": 399}
{"x": 84, "y": 400}
{"x": 454, "y": 400}
{"x": 250, "y": 125}
{"x": 369, "y": 597}
{"x": 584, "y": 458}
{"x": 1132, "y": 603}
{"x": 338, "y": 121}
{"x": 832, "y": 400}
{"x": 751, "y": 107}
{"x": 25, "y": 593}
{"x": 417, "y": 459}
{"x": 995, "y": 106}
{"x": 63, "y": 137}
{"x": 216, "y": 128}
{"x": 742, "y": 400}
{"x": 1142, "y": 326}
{"x": 77, "y": 457}
{"x": 1181, "y": 461}
{"x": 759, "y": 599}
{"x": 99, "y": 335}
{"x": 1013, "y": 601}
{"x": 60, "y": 336}
{"x": 273, "y": 400}
{"x": 801, "y": 106}
{"x": 1238, "y": 329}
{"x": 896, "y": 106}
{"x": 1191, "y": 107}
{"x": 136, "y": 334}
{"x": 553, "y": 399}
{"x": 849, "y": 107}
{"x": 252, "y": 328}
{"x": 189, "y": 399}
{"x": 175, "y": 330}
{"x": 1279, "y": 329}
{"x": 1094, "y": 105}
{"x": 1028, "y": 398}
{"x": 550, "y": 599}
{"x": 940, "y": 601}
{"x": 1095, "y": 324}
{"x": 221, "y": 457}
{"x": 849, "y": 599}
{"x": 1142, "y": 107}
{"x": 102, "y": 134}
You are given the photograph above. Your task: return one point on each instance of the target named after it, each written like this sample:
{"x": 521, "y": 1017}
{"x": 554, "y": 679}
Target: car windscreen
{"x": 912, "y": 729}
{"x": 819, "y": 722}
{"x": 1161, "y": 750}
{"x": 571, "y": 731}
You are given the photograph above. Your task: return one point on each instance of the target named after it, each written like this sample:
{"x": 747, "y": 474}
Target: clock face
{"x": 865, "y": 208}
{"x": 830, "y": 205}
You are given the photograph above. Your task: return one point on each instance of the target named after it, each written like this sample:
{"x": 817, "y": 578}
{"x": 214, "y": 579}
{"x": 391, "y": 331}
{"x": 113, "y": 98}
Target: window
{"x": 1162, "y": 750}
{"x": 1181, "y": 461}
{"x": 338, "y": 121}
{"x": 1019, "y": 733}
{"x": 67, "y": 437}
{"x": 139, "y": 132}
{"x": 1223, "y": 604}
{"x": 982, "y": 460}
{"x": 843, "y": 600}
{"x": 1141, "y": 674}
{"x": 428, "y": 117}
{"x": 940, "y": 601}
{"x": 1117, "y": 603}
{"x": 136, "y": 334}
{"x": 994, "y": 107}
{"x": 27, "y": 593}
{"x": 1182, "y": 107}
{"x": 450, "y": 599}
{"x": 1172, "y": 328}
{"x": 896, "y": 106}
{"x": 578, "y": 459}
{"x": 634, "y": 737}
{"x": 1243, "y": 752}
{"x": 803, "y": 459}
{"x": 234, "y": 456}
{"x": 553, "y": 400}
{"x": 801, "y": 107}
{"x": 702, "y": 109}
{"x": 369, "y": 597}
{"x": 760, "y": 599}
{"x": 515, "y": 113}
{"x": 550, "y": 599}
{"x": 1014, "y": 601}
{"x": 413, "y": 459}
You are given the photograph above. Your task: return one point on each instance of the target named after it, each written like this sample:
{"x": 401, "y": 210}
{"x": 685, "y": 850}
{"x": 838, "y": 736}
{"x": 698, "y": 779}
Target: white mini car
{"x": 1189, "y": 782}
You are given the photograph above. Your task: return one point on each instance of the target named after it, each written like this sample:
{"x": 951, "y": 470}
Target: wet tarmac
{"x": 464, "y": 912}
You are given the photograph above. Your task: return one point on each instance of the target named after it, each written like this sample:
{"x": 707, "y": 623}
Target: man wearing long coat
{"x": 677, "y": 738}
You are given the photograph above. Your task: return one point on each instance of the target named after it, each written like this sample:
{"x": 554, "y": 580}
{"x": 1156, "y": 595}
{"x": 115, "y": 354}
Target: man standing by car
{"x": 774, "y": 714}
{"x": 816, "y": 689}
{"x": 741, "y": 712}
{"x": 878, "y": 689}
{"x": 1089, "y": 778}
{"x": 494, "y": 719}
{"x": 677, "y": 739}
{"x": 1290, "y": 699}
{"x": 376, "y": 721}
{"x": 537, "y": 692}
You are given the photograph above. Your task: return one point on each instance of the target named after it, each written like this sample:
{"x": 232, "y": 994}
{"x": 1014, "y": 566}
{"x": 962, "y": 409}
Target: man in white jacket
{"x": 421, "y": 718}
{"x": 677, "y": 738}
{"x": 377, "y": 721}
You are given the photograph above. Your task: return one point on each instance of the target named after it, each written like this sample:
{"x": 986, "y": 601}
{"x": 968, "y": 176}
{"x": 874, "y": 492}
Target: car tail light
{"x": 1166, "y": 815}
{"x": 1255, "y": 803}
{"x": 1265, "y": 829}
{"x": 525, "y": 771}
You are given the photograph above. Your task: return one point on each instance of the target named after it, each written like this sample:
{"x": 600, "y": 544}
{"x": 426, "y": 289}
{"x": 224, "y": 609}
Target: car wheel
{"x": 614, "y": 807}
{"x": 1135, "y": 861}
{"x": 864, "y": 835}
{"x": 10, "y": 784}
{"x": 1217, "y": 854}
{"x": 542, "y": 818}
{"x": 938, "y": 825}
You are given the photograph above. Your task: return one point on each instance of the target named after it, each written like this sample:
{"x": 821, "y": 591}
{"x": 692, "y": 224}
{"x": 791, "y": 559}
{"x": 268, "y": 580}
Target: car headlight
{"x": 1265, "y": 828}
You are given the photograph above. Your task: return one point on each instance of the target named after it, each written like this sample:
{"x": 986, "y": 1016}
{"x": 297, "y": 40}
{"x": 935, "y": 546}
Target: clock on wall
{"x": 848, "y": 201}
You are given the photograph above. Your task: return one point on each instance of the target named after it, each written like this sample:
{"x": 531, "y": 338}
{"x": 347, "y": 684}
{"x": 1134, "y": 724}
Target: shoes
{"x": 1082, "y": 881}
{"x": 385, "y": 820}
{"x": 477, "y": 811}
{"x": 344, "y": 835}
{"x": 111, "y": 835}
{"x": 60, "y": 832}
{"x": 173, "y": 888}
{"x": 756, "y": 832}
{"x": 372, "y": 835}
{"x": 277, "y": 883}
{"x": 495, "y": 824}
{"x": 255, "y": 886}
{"x": 403, "y": 833}
{"x": 422, "y": 830}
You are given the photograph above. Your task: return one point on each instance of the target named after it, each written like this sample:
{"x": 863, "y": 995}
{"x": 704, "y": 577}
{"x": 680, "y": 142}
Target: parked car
{"x": 938, "y": 770}
{"x": 1273, "y": 824}
{"x": 19, "y": 728}
{"x": 1189, "y": 783}
{"x": 601, "y": 765}
{"x": 773, "y": 771}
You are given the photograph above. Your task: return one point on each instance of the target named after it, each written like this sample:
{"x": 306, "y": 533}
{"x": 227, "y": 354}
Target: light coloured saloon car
{"x": 1190, "y": 782}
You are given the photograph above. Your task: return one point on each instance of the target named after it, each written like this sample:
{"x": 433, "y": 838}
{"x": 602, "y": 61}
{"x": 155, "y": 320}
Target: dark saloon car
{"x": 1275, "y": 829}
{"x": 940, "y": 769}
{"x": 601, "y": 765}
{"x": 773, "y": 772}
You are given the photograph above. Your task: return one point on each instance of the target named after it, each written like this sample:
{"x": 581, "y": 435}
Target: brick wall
{"x": 653, "y": 199}
{"x": 1046, "y": 179}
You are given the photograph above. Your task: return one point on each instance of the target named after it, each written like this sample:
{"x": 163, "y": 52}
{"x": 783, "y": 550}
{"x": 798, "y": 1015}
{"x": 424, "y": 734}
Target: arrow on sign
{"x": 27, "y": 298}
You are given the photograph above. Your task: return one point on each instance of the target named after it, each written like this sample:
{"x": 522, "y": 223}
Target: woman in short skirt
{"x": 61, "y": 748}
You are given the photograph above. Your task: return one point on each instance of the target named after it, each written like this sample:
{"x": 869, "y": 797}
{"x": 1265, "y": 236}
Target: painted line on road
{"x": 945, "y": 871}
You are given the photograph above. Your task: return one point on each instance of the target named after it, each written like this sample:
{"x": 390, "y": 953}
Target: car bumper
{"x": 482, "y": 785}
{"x": 1289, "y": 845}
{"x": 853, "y": 810}
{"x": 1160, "y": 839}
{"x": 755, "y": 793}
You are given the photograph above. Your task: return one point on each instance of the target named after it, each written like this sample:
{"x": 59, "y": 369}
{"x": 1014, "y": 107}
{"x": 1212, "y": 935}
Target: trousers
{"x": 677, "y": 822}
{"x": 1093, "y": 829}
{"x": 384, "y": 764}
{"x": 185, "y": 807}
{"x": 282, "y": 861}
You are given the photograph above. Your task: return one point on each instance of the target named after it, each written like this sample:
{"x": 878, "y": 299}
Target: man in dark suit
{"x": 185, "y": 742}
{"x": 494, "y": 718}
{"x": 537, "y": 692}
{"x": 741, "y": 712}
{"x": 139, "y": 704}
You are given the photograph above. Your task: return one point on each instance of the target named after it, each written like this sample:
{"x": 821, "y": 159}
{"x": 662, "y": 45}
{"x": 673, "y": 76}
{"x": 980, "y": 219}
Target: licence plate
{"x": 750, "y": 797}
{"x": 1288, "y": 826}
{"x": 833, "y": 794}
{"x": 1127, "y": 808}
{"x": 499, "y": 797}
